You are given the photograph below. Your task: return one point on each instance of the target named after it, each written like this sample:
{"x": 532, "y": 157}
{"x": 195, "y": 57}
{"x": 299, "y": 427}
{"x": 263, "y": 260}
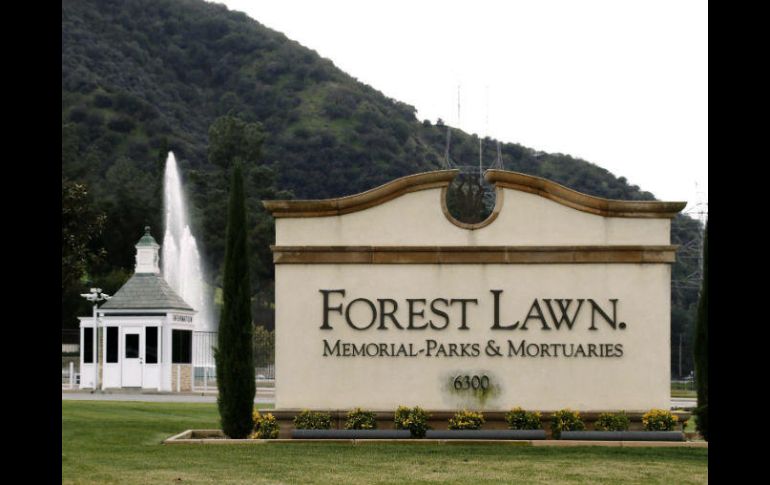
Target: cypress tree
{"x": 701, "y": 346}
{"x": 234, "y": 355}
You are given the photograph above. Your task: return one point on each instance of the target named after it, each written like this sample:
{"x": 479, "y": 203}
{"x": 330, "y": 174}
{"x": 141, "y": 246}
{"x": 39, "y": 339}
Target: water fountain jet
{"x": 181, "y": 262}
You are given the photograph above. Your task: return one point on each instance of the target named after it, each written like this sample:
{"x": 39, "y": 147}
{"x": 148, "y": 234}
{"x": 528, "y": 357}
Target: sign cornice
{"x": 580, "y": 201}
{"x": 364, "y": 200}
{"x": 501, "y": 179}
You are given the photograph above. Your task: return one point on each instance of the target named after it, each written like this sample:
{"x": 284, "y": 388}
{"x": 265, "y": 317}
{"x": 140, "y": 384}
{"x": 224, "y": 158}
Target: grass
{"x": 683, "y": 393}
{"x": 683, "y": 389}
{"x": 119, "y": 443}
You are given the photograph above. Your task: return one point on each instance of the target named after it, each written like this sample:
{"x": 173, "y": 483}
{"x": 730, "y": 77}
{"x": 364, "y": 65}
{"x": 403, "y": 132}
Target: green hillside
{"x": 141, "y": 77}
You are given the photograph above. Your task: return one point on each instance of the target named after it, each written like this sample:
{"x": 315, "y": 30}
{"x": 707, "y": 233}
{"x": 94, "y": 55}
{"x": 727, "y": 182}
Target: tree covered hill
{"x": 141, "y": 77}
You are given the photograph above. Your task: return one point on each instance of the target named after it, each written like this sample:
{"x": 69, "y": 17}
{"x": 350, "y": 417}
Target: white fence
{"x": 204, "y": 365}
{"x": 205, "y": 369}
{"x": 70, "y": 358}
{"x": 70, "y": 372}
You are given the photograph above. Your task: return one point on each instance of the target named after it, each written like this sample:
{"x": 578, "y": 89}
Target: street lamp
{"x": 96, "y": 296}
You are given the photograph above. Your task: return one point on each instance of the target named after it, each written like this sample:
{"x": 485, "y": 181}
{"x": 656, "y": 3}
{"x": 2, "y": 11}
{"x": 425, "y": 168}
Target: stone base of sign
{"x": 623, "y": 435}
{"x": 357, "y": 434}
{"x": 216, "y": 437}
{"x": 486, "y": 434}
{"x": 625, "y": 444}
{"x": 439, "y": 419}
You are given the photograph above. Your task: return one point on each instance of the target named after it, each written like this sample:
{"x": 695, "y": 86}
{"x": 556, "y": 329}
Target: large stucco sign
{"x": 558, "y": 299}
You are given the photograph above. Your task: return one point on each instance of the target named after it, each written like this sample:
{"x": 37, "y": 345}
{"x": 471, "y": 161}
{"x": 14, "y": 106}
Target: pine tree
{"x": 234, "y": 355}
{"x": 701, "y": 346}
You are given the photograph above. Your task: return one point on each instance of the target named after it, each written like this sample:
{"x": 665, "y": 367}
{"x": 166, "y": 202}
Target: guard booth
{"x": 144, "y": 333}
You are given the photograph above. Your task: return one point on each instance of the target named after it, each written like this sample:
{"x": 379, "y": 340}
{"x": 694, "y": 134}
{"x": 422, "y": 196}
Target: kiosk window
{"x": 151, "y": 345}
{"x": 88, "y": 345}
{"x": 181, "y": 346}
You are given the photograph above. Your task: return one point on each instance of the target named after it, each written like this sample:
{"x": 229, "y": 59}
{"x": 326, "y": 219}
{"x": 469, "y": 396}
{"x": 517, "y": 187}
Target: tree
{"x": 264, "y": 346}
{"x": 132, "y": 198}
{"x": 231, "y": 139}
{"x": 234, "y": 354}
{"x": 81, "y": 228}
{"x": 701, "y": 346}
{"x": 81, "y": 224}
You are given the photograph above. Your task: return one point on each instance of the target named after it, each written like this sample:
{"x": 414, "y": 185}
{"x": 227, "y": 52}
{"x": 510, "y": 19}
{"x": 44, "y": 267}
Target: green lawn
{"x": 119, "y": 442}
{"x": 683, "y": 393}
{"x": 683, "y": 389}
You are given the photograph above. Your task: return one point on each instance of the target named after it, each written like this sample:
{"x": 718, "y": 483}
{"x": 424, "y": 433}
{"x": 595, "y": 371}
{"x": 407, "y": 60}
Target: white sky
{"x": 622, "y": 84}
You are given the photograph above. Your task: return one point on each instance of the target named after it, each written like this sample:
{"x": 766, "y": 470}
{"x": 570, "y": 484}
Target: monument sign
{"x": 558, "y": 299}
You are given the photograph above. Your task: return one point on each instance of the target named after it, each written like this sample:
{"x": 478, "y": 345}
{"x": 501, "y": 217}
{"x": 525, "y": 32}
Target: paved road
{"x": 169, "y": 397}
{"x": 261, "y": 398}
{"x": 683, "y": 402}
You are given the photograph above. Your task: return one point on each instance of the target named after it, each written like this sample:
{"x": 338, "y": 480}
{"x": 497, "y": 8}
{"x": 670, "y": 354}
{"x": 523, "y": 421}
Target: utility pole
{"x": 96, "y": 296}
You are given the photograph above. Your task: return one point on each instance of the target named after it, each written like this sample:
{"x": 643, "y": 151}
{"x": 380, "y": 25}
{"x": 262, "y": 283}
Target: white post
{"x": 96, "y": 296}
{"x": 72, "y": 375}
{"x": 205, "y": 379}
{"x": 82, "y": 356}
{"x": 160, "y": 356}
{"x": 99, "y": 354}
{"x": 95, "y": 351}
{"x": 178, "y": 378}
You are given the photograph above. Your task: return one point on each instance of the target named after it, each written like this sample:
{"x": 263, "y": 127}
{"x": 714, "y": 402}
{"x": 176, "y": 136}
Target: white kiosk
{"x": 148, "y": 330}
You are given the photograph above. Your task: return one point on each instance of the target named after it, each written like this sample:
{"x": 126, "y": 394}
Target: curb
{"x": 185, "y": 438}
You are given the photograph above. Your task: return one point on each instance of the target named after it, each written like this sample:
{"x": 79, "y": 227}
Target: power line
{"x": 447, "y": 161}
{"x": 692, "y": 250}
{"x": 499, "y": 160}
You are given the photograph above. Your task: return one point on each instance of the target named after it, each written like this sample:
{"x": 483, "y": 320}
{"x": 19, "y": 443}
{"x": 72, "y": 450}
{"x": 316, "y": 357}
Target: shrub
{"x": 265, "y": 426}
{"x": 361, "y": 419}
{"x": 466, "y": 420}
{"x": 659, "y": 420}
{"x": 102, "y": 100}
{"x": 518, "y": 418}
{"x": 311, "y": 420}
{"x": 566, "y": 420}
{"x": 414, "y": 419}
{"x": 612, "y": 422}
{"x": 122, "y": 124}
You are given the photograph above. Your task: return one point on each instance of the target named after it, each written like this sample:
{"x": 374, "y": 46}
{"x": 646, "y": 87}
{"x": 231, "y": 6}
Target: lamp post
{"x": 96, "y": 296}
